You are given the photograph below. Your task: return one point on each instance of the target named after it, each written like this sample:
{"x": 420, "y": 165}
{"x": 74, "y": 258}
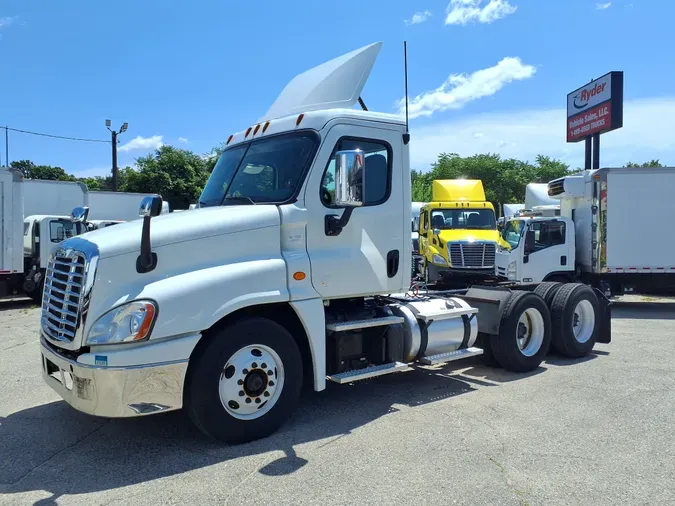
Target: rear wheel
{"x": 246, "y": 382}
{"x": 574, "y": 314}
{"x": 484, "y": 341}
{"x": 547, "y": 291}
{"x": 524, "y": 333}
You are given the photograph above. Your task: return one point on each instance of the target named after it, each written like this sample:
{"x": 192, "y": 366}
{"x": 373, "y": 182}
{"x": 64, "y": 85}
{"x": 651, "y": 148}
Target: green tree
{"x": 32, "y": 171}
{"x": 504, "y": 180}
{"x": 176, "y": 174}
{"x": 650, "y": 163}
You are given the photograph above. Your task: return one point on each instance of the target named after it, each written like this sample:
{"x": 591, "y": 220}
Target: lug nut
{"x": 266, "y": 394}
{"x": 254, "y": 365}
{"x": 263, "y": 366}
{"x": 245, "y": 371}
{"x": 271, "y": 383}
{"x": 257, "y": 400}
{"x": 248, "y": 400}
{"x": 240, "y": 382}
{"x": 241, "y": 393}
{"x": 270, "y": 373}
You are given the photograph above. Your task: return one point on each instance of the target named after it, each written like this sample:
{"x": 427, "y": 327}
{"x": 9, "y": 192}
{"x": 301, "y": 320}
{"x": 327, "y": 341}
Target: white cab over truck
{"x": 114, "y": 206}
{"x": 26, "y": 243}
{"x": 287, "y": 273}
{"x": 608, "y": 234}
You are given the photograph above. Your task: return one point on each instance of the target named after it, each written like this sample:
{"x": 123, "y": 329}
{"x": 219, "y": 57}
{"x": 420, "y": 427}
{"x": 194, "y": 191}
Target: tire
{"x": 211, "y": 379}
{"x": 526, "y": 313}
{"x": 484, "y": 341}
{"x": 575, "y": 320}
{"x": 547, "y": 291}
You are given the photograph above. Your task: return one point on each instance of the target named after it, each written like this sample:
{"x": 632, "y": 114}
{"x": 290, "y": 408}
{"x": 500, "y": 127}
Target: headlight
{"x": 438, "y": 260}
{"x": 129, "y": 322}
{"x": 511, "y": 271}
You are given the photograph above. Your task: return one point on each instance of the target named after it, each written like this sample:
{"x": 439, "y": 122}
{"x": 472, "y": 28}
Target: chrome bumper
{"x": 115, "y": 392}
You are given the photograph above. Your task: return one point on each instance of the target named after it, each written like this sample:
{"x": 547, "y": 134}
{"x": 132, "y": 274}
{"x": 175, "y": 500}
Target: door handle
{"x": 563, "y": 260}
{"x": 392, "y": 263}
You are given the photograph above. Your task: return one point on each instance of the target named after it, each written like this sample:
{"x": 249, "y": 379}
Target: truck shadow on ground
{"x": 8, "y": 304}
{"x": 643, "y": 310}
{"x": 55, "y": 449}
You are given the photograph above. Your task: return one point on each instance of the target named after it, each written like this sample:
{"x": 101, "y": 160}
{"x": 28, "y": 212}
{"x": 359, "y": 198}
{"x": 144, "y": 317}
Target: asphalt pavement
{"x": 592, "y": 431}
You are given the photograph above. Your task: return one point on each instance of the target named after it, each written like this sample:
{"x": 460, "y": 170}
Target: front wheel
{"x": 246, "y": 382}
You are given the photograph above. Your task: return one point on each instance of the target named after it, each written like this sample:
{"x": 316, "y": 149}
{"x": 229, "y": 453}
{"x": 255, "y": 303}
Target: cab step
{"x": 443, "y": 358}
{"x": 368, "y": 372}
{"x": 364, "y": 324}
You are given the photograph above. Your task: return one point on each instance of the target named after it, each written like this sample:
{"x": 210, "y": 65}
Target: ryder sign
{"x": 595, "y": 108}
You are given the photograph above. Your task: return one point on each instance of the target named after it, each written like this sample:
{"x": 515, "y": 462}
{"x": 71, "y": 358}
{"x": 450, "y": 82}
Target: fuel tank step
{"x": 443, "y": 358}
{"x": 368, "y": 372}
{"x": 364, "y": 324}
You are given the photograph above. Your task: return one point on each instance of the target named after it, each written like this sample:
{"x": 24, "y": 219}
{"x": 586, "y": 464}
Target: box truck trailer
{"x": 612, "y": 233}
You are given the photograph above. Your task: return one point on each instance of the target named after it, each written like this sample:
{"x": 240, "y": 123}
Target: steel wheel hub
{"x": 251, "y": 382}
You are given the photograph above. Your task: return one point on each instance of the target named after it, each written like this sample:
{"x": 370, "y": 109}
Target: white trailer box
{"x": 11, "y": 221}
{"x": 116, "y": 206}
{"x": 53, "y": 198}
{"x": 511, "y": 209}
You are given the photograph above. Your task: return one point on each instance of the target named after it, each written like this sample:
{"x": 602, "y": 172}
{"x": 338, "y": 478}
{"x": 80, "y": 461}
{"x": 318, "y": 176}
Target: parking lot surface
{"x": 592, "y": 431}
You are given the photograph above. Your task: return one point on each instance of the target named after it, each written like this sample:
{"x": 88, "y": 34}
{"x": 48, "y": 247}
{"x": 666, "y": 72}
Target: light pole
{"x": 114, "y": 150}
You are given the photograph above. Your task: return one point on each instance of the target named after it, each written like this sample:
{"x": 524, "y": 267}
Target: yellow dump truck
{"x": 458, "y": 233}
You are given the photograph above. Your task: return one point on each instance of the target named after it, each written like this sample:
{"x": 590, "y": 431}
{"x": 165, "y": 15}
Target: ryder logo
{"x": 581, "y": 99}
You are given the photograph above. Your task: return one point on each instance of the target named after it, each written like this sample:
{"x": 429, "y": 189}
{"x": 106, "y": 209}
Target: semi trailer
{"x": 180, "y": 311}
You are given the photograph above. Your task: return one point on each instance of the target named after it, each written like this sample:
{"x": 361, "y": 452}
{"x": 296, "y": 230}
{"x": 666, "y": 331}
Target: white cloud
{"x": 418, "y": 17}
{"x": 93, "y": 172}
{"x": 460, "y": 89}
{"x": 462, "y": 12}
{"x": 7, "y": 21}
{"x": 647, "y": 134}
{"x": 143, "y": 143}
{"x": 183, "y": 140}
{"x": 603, "y": 6}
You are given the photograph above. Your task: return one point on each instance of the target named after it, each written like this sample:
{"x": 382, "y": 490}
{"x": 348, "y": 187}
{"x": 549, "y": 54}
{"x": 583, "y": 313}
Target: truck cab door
{"x": 546, "y": 252}
{"x": 371, "y": 254}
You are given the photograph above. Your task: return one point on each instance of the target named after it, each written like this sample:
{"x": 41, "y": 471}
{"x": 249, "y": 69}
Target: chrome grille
{"x": 472, "y": 255}
{"x": 61, "y": 300}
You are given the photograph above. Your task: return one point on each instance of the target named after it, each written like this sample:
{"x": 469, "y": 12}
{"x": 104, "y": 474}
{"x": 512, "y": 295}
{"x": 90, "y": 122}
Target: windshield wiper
{"x": 241, "y": 198}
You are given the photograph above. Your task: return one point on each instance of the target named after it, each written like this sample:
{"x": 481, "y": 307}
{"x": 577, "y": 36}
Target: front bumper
{"x": 440, "y": 273}
{"x": 114, "y": 392}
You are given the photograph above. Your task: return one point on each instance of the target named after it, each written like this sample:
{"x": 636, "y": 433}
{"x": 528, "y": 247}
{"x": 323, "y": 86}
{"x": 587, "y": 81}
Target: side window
{"x": 547, "y": 234}
{"x": 377, "y": 168}
{"x": 26, "y": 226}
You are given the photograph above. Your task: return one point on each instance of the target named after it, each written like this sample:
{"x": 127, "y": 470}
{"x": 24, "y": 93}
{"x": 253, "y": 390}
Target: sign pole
{"x": 596, "y": 151}
{"x": 587, "y": 164}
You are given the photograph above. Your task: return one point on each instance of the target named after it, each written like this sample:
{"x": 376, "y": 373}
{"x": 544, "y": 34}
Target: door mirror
{"x": 416, "y": 225}
{"x": 349, "y": 178}
{"x": 436, "y": 231}
{"x": 80, "y": 214}
{"x": 151, "y": 206}
{"x": 529, "y": 242}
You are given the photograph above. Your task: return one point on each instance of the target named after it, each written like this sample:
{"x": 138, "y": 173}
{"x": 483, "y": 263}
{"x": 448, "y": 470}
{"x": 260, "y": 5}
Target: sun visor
{"x": 337, "y": 83}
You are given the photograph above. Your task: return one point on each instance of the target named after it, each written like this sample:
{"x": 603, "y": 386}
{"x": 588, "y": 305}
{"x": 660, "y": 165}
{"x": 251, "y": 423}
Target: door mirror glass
{"x": 529, "y": 242}
{"x": 349, "y": 178}
{"x": 80, "y": 214}
{"x": 416, "y": 225}
{"x": 151, "y": 206}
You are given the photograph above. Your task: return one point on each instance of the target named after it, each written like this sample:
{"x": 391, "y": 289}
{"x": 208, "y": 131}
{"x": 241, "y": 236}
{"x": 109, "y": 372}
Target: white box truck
{"x": 293, "y": 270}
{"x": 28, "y": 240}
{"x": 114, "y": 206}
{"x": 613, "y": 232}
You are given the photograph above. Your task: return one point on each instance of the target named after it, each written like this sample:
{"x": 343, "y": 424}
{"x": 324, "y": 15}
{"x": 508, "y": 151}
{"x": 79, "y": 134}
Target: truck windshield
{"x": 264, "y": 170}
{"x": 473, "y": 219}
{"x": 60, "y": 230}
{"x": 512, "y": 232}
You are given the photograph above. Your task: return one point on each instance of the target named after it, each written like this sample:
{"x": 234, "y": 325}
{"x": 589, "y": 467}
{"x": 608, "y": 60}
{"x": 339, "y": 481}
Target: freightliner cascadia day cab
{"x": 294, "y": 269}
{"x": 608, "y": 233}
{"x": 458, "y": 233}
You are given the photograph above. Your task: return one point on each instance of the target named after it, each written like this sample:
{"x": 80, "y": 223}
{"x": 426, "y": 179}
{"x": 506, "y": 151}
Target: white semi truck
{"x": 294, "y": 269}
{"x": 35, "y": 216}
{"x": 608, "y": 233}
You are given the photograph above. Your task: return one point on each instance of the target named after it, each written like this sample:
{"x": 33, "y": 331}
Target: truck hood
{"x": 183, "y": 227}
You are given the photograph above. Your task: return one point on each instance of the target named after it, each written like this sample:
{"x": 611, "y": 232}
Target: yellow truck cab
{"x": 458, "y": 233}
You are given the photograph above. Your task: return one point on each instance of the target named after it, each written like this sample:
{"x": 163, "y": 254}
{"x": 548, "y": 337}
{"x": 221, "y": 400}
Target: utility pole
{"x": 114, "y": 150}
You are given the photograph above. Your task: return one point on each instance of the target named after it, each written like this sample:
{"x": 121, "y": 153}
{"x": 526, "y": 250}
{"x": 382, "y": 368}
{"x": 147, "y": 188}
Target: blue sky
{"x": 191, "y": 73}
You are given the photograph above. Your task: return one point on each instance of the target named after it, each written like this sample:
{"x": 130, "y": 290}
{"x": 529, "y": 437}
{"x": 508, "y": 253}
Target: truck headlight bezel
{"x": 131, "y": 322}
{"x": 512, "y": 271}
{"x": 438, "y": 260}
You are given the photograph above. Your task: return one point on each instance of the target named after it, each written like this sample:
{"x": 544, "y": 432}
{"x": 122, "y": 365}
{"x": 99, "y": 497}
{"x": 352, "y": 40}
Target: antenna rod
{"x": 405, "y": 71}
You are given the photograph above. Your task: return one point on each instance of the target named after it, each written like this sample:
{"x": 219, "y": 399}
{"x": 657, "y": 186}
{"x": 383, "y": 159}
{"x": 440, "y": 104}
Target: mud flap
{"x": 605, "y": 309}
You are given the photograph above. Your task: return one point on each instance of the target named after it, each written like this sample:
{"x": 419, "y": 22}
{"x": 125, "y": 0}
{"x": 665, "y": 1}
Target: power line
{"x": 54, "y": 136}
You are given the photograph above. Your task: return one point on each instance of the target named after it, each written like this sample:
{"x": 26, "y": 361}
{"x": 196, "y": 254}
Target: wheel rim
{"x": 251, "y": 382}
{"x": 583, "y": 322}
{"x": 530, "y": 332}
